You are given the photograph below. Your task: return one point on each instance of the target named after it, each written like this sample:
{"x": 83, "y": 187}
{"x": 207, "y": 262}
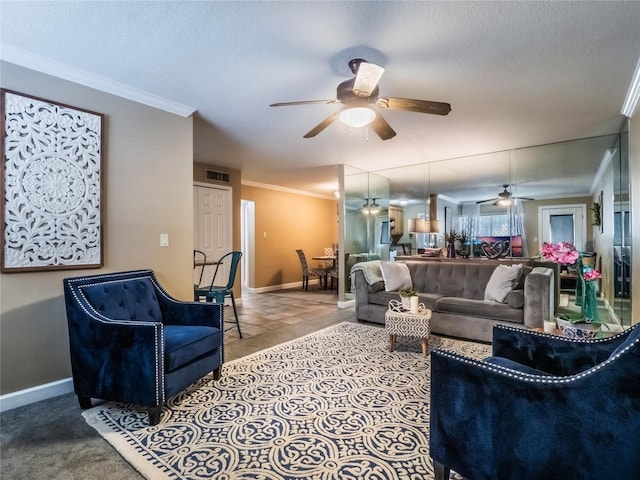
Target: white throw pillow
{"x": 396, "y": 276}
{"x": 503, "y": 279}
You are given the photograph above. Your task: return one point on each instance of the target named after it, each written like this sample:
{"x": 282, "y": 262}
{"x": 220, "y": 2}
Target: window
{"x": 621, "y": 229}
{"x": 493, "y": 225}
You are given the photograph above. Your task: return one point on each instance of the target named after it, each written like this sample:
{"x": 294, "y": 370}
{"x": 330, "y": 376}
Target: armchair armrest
{"x": 550, "y": 353}
{"x": 118, "y": 360}
{"x": 491, "y": 422}
{"x": 192, "y": 313}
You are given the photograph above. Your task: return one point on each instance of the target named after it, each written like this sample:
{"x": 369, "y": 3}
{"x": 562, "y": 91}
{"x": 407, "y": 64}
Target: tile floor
{"x": 267, "y": 319}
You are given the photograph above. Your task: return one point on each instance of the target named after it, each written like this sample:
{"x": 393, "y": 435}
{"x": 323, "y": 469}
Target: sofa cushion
{"x": 503, "y": 279}
{"x": 479, "y": 308}
{"x": 396, "y": 276}
{"x": 183, "y": 344}
{"x": 515, "y": 298}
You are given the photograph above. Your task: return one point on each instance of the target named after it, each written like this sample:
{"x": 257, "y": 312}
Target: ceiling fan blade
{"x": 412, "y": 105}
{"x": 488, "y": 200}
{"x": 367, "y": 79}
{"x": 524, "y": 198}
{"x": 322, "y": 125}
{"x": 382, "y": 128}
{"x": 304, "y": 102}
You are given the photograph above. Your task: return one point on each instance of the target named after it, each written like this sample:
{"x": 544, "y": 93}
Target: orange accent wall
{"x": 291, "y": 221}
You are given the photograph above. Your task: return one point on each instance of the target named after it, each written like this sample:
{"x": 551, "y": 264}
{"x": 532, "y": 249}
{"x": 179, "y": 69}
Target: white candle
{"x": 549, "y": 327}
{"x": 414, "y": 304}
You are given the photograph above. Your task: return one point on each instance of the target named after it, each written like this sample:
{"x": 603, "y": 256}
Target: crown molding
{"x": 32, "y": 61}
{"x": 633, "y": 94}
{"x": 268, "y": 186}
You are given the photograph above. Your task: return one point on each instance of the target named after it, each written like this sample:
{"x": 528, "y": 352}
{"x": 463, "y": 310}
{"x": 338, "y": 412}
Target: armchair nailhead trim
{"x": 532, "y": 378}
{"x": 547, "y": 335}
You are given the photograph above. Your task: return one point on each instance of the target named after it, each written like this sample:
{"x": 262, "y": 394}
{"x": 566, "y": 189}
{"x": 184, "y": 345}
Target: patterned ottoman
{"x": 407, "y": 324}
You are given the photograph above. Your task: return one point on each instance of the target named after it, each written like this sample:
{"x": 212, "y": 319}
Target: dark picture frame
{"x": 51, "y": 171}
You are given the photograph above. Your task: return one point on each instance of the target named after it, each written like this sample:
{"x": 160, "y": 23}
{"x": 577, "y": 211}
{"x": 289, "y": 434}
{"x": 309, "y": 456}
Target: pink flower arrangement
{"x": 561, "y": 252}
{"x": 591, "y": 275}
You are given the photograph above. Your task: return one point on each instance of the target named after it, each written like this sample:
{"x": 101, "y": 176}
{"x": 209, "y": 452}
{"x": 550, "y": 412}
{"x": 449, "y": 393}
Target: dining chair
{"x": 217, "y": 293}
{"x": 309, "y": 272}
{"x": 199, "y": 257}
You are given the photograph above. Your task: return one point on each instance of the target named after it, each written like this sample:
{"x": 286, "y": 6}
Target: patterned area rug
{"x": 331, "y": 405}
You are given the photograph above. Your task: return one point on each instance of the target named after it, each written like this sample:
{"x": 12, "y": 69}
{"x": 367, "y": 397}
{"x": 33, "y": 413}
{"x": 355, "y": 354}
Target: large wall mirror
{"x": 557, "y": 188}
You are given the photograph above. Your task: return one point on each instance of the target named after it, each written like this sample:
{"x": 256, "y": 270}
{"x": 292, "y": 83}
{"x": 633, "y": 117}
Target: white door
{"x": 212, "y": 229}
{"x": 563, "y": 223}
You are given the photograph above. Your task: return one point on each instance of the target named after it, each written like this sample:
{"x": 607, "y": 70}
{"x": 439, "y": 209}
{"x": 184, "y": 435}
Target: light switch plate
{"x": 164, "y": 239}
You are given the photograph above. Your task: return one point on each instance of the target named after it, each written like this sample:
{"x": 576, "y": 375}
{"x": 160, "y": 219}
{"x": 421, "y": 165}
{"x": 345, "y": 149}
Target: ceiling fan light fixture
{"x": 357, "y": 117}
{"x": 367, "y": 79}
{"x": 370, "y": 209}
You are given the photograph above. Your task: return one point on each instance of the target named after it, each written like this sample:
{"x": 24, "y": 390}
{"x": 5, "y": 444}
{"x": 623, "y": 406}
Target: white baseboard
{"x": 346, "y": 304}
{"x": 35, "y": 394}
{"x": 272, "y": 288}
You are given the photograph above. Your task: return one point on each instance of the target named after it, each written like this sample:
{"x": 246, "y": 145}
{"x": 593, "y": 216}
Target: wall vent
{"x": 217, "y": 176}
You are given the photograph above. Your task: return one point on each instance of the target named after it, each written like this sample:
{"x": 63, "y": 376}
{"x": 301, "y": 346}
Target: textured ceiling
{"x": 516, "y": 74}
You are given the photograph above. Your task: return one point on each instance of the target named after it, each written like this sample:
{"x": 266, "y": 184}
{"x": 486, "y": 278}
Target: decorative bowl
{"x": 578, "y": 331}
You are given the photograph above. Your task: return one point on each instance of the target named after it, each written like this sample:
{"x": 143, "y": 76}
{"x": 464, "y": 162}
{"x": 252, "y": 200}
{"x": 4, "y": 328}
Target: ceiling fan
{"x": 359, "y": 94}
{"x": 504, "y": 198}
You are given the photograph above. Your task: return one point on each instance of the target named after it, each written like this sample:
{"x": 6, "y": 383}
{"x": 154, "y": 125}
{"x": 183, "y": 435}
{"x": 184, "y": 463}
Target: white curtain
{"x": 470, "y": 219}
{"x": 516, "y": 225}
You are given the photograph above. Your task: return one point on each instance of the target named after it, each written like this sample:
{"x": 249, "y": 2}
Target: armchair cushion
{"x": 184, "y": 344}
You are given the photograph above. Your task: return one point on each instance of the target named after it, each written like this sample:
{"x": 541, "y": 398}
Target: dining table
{"x": 326, "y": 258}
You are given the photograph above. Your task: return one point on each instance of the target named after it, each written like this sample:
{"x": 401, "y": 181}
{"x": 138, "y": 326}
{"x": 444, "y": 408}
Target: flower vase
{"x": 465, "y": 249}
{"x": 579, "y": 283}
{"x": 451, "y": 250}
{"x": 590, "y": 302}
{"x": 406, "y": 302}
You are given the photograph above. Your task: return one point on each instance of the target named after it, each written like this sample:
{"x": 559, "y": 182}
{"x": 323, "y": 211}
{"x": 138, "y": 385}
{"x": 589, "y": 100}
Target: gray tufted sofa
{"x": 454, "y": 292}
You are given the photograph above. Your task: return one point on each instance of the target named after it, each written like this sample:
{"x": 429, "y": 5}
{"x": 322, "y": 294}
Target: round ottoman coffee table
{"x": 398, "y": 322}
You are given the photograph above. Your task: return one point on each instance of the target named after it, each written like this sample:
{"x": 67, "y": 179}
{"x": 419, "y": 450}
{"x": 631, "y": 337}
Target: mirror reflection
{"x": 504, "y": 205}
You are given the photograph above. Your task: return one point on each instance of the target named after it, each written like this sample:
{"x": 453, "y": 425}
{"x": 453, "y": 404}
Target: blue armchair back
{"x": 131, "y": 342}
{"x": 543, "y": 407}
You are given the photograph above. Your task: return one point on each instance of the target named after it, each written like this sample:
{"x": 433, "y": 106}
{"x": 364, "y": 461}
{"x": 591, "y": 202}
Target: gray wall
{"x": 147, "y": 190}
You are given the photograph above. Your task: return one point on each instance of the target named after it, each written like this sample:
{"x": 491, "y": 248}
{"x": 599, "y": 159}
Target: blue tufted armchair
{"x": 131, "y": 342}
{"x": 543, "y": 407}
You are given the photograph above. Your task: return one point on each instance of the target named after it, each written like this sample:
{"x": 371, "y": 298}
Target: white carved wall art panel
{"x": 51, "y": 185}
